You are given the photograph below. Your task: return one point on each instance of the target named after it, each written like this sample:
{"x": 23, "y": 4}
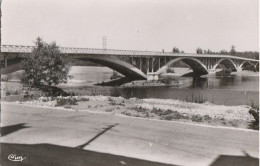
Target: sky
{"x": 134, "y": 24}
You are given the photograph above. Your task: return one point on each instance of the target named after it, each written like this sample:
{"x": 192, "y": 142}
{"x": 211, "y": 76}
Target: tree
{"x": 208, "y": 51}
{"x": 199, "y": 51}
{"x": 175, "y": 50}
{"x": 233, "y": 51}
{"x": 44, "y": 65}
{"x": 223, "y": 52}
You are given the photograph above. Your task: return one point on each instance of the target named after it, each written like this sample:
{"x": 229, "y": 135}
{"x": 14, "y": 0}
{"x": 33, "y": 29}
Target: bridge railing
{"x": 70, "y": 50}
{"x": 108, "y": 51}
{"x": 16, "y": 48}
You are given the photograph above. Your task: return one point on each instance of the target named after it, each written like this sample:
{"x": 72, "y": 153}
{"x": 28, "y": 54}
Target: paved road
{"x": 56, "y": 137}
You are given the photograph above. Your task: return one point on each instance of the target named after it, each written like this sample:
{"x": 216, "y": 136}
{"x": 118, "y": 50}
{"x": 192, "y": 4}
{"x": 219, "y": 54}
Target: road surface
{"x": 51, "y": 136}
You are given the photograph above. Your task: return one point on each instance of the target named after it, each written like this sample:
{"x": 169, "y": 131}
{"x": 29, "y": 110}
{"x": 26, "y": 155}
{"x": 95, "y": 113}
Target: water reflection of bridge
{"x": 217, "y": 83}
{"x": 133, "y": 64}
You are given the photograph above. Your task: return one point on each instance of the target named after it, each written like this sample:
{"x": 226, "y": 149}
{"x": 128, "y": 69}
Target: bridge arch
{"x": 245, "y": 62}
{"x": 197, "y": 66}
{"x": 225, "y": 59}
{"x": 116, "y": 64}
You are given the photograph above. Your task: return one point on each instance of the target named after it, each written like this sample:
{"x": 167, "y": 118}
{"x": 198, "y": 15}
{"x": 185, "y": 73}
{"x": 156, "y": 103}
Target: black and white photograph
{"x": 129, "y": 82}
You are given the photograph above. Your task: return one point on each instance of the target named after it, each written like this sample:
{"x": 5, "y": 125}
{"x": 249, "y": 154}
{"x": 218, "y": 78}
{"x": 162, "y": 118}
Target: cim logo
{"x": 14, "y": 157}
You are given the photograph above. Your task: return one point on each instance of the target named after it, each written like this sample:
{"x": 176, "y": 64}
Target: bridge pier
{"x": 152, "y": 76}
{"x": 211, "y": 71}
{"x": 239, "y": 69}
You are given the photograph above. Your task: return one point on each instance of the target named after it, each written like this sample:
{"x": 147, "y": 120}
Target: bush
{"x": 5, "y": 79}
{"x": 44, "y": 99}
{"x": 83, "y": 99}
{"x": 109, "y": 110}
{"x": 196, "y": 118}
{"x": 126, "y": 113}
{"x": 170, "y": 115}
{"x": 147, "y": 115}
{"x": 177, "y": 115}
{"x": 72, "y": 94}
{"x": 140, "y": 109}
{"x": 157, "y": 111}
{"x": 167, "y": 117}
{"x": 255, "y": 123}
{"x": 7, "y": 93}
{"x": 12, "y": 92}
{"x": 167, "y": 112}
{"x": 67, "y": 106}
{"x": 53, "y": 91}
{"x": 66, "y": 101}
{"x": 167, "y": 80}
{"x": 207, "y": 117}
{"x": 15, "y": 92}
{"x": 113, "y": 102}
{"x": 44, "y": 66}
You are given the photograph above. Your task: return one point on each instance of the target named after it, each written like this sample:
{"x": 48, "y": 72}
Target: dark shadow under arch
{"x": 228, "y": 63}
{"x": 196, "y": 65}
{"x": 118, "y": 65}
{"x": 246, "y": 63}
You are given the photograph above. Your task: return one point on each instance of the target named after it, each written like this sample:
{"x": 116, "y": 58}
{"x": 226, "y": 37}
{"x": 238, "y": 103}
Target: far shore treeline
{"x": 233, "y": 52}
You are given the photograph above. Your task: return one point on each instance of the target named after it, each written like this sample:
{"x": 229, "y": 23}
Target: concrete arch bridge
{"x": 133, "y": 64}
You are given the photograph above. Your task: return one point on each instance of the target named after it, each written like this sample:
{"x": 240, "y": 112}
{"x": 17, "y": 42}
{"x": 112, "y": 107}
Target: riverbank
{"x": 159, "y": 109}
{"x": 144, "y": 83}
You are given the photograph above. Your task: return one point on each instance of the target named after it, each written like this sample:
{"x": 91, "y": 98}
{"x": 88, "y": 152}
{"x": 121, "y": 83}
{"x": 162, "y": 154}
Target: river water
{"x": 238, "y": 89}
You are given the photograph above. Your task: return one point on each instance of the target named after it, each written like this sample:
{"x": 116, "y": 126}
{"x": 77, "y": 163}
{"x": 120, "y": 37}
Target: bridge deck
{"x": 91, "y": 51}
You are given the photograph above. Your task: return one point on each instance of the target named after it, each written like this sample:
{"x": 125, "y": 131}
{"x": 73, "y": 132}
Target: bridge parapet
{"x": 71, "y": 50}
{"x": 16, "y": 49}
